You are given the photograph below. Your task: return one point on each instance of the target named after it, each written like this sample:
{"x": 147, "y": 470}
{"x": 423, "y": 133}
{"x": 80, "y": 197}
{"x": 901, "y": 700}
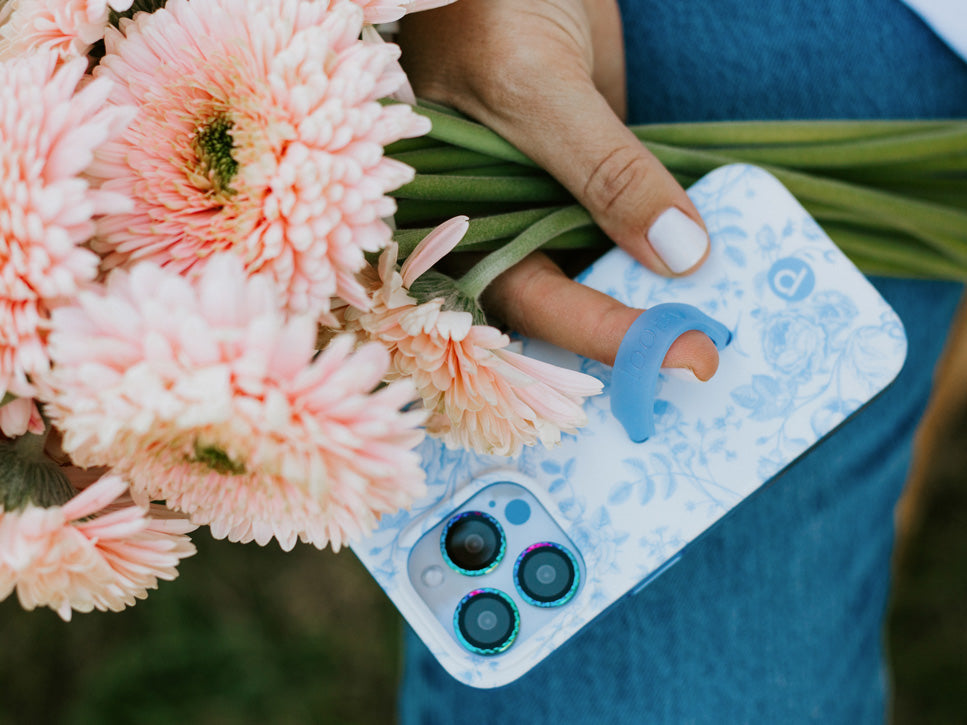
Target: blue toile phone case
{"x": 811, "y": 342}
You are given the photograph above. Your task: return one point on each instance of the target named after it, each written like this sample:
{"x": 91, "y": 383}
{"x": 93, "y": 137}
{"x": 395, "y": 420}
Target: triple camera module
{"x": 496, "y": 569}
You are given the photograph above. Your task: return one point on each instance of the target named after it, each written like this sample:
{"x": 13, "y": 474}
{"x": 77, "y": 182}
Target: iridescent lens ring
{"x": 500, "y": 646}
{"x": 488, "y": 520}
{"x": 567, "y": 595}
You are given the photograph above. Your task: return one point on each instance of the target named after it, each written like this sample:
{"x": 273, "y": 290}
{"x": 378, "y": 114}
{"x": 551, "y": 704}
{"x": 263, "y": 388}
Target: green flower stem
{"x": 467, "y": 134}
{"x": 405, "y": 145}
{"x": 423, "y": 104}
{"x": 443, "y": 158}
{"x": 502, "y": 168}
{"x": 828, "y": 216}
{"x": 475, "y": 281}
{"x": 892, "y": 254}
{"x": 7, "y": 397}
{"x": 875, "y": 152}
{"x": 585, "y": 237}
{"x": 949, "y": 192}
{"x": 873, "y": 265}
{"x": 877, "y": 227}
{"x": 443, "y": 187}
{"x": 939, "y": 225}
{"x": 943, "y": 168}
{"x": 824, "y": 213}
{"x": 482, "y": 229}
{"x": 766, "y": 133}
{"x": 419, "y": 212}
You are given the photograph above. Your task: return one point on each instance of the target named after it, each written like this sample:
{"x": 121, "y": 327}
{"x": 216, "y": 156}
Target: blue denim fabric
{"x": 708, "y": 60}
{"x": 776, "y": 616}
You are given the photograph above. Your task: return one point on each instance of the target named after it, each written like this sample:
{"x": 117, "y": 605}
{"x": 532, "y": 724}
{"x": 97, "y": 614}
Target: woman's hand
{"x": 548, "y": 75}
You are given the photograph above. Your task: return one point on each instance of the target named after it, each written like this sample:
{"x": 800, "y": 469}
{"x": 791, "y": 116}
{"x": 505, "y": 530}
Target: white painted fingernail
{"x": 685, "y": 375}
{"x": 678, "y": 240}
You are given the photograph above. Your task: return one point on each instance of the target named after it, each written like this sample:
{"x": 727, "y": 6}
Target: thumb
{"x": 570, "y": 130}
{"x": 527, "y": 71}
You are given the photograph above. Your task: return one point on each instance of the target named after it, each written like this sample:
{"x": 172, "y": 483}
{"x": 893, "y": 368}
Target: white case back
{"x": 812, "y": 342}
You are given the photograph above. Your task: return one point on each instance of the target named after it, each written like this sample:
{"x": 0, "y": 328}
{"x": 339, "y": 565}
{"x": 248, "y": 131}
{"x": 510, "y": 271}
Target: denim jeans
{"x": 777, "y": 615}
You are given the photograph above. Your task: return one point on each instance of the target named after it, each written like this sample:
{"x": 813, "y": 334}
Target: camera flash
{"x": 432, "y": 576}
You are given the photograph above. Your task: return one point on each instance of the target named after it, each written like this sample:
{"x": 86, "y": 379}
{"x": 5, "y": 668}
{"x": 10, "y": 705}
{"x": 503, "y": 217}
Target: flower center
{"x": 217, "y": 460}
{"x": 213, "y": 146}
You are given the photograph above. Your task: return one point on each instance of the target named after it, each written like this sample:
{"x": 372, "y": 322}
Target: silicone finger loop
{"x": 640, "y": 355}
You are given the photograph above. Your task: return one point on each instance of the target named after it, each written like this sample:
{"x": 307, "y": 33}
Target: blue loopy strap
{"x": 643, "y": 348}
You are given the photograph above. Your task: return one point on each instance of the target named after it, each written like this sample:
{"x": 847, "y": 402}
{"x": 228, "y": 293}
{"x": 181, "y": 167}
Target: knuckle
{"x": 513, "y": 87}
{"x": 617, "y": 180}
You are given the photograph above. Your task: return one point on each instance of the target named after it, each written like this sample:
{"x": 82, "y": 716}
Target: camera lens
{"x": 546, "y": 575}
{"x": 472, "y": 543}
{"x": 486, "y": 621}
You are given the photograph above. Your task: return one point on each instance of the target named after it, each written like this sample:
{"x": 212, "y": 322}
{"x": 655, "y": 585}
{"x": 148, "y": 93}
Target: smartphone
{"x": 505, "y": 559}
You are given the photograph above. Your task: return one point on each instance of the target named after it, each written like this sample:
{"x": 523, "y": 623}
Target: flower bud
{"x": 28, "y": 476}
{"x": 433, "y": 285}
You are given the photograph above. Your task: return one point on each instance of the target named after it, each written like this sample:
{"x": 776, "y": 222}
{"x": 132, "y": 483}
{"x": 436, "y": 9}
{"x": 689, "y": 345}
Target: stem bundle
{"x": 891, "y": 194}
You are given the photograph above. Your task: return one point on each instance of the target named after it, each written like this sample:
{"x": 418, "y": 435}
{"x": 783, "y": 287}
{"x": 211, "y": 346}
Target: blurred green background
{"x": 254, "y": 635}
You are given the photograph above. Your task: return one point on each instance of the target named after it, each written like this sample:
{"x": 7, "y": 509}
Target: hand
{"x": 548, "y": 75}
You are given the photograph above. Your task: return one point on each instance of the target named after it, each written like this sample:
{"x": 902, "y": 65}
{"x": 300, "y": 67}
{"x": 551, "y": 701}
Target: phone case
{"x": 812, "y": 341}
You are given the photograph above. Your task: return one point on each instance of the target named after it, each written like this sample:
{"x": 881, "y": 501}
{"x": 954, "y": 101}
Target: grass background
{"x": 253, "y": 635}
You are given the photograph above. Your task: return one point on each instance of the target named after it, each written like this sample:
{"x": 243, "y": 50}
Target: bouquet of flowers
{"x": 203, "y": 317}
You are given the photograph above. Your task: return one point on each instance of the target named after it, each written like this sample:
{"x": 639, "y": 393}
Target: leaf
{"x": 647, "y": 492}
{"x": 637, "y": 465}
{"x": 766, "y": 237}
{"x": 662, "y": 461}
{"x": 747, "y": 397}
{"x": 766, "y": 384}
{"x": 730, "y": 234}
{"x": 556, "y": 485}
{"x": 550, "y": 467}
{"x": 601, "y": 518}
{"x": 736, "y": 255}
{"x": 620, "y": 493}
{"x": 569, "y": 468}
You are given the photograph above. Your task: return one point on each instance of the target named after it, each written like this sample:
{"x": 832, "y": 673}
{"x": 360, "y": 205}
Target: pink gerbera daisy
{"x": 67, "y": 27}
{"x": 48, "y": 133}
{"x": 205, "y": 395}
{"x": 93, "y": 552}
{"x": 259, "y": 131}
{"x": 483, "y": 396}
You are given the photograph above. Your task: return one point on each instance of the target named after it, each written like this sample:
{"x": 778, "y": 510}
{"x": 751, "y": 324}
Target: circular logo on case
{"x": 791, "y": 279}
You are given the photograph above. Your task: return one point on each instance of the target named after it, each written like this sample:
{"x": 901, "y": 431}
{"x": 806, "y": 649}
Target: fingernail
{"x": 678, "y": 240}
{"x": 686, "y": 375}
